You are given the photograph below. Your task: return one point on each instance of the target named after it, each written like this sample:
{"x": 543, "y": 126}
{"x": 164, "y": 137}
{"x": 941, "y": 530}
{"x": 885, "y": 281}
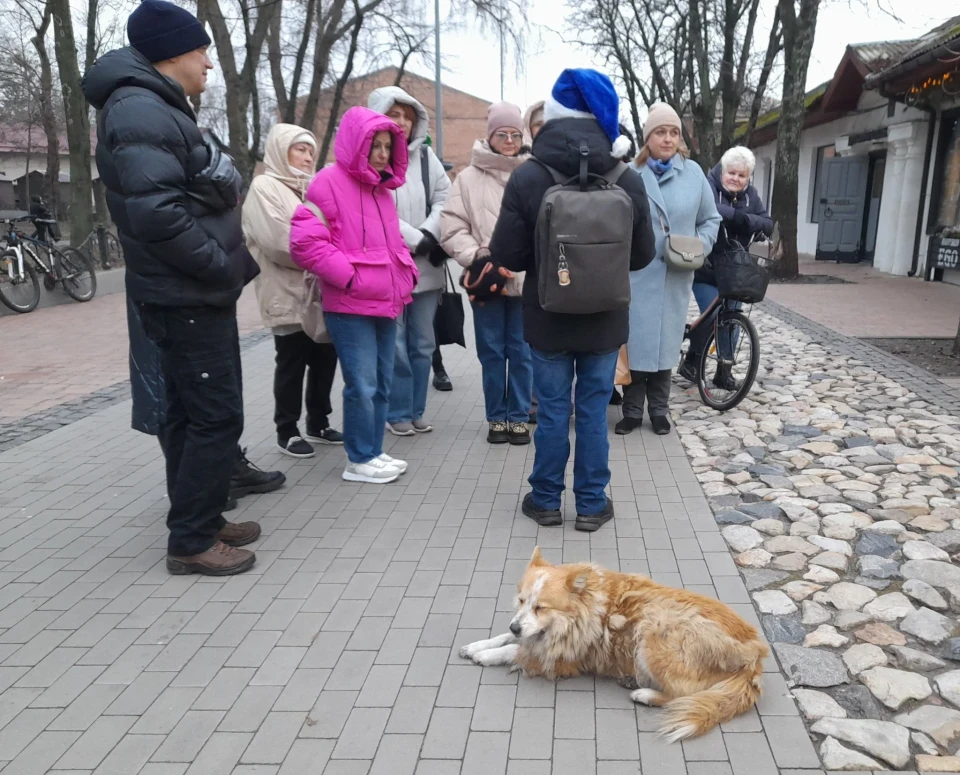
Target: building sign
{"x": 943, "y": 252}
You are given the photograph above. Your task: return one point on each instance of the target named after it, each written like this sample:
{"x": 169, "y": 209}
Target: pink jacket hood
{"x": 354, "y": 139}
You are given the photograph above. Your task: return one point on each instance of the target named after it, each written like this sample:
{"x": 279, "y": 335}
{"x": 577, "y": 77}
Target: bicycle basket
{"x": 741, "y": 276}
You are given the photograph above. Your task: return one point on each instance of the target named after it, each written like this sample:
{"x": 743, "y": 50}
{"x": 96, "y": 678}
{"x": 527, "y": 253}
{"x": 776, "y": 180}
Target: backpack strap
{"x": 611, "y": 177}
{"x": 425, "y": 174}
{"x": 614, "y": 175}
{"x": 558, "y": 178}
{"x": 316, "y": 211}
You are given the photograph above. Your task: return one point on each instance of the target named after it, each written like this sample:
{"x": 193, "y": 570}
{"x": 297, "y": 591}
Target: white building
{"x": 879, "y": 176}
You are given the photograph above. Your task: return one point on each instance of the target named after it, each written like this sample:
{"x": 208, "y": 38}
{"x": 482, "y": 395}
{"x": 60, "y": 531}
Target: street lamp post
{"x": 439, "y": 87}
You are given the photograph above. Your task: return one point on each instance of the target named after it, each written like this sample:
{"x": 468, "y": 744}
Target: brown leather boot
{"x": 218, "y": 560}
{"x": 239, "y": 533}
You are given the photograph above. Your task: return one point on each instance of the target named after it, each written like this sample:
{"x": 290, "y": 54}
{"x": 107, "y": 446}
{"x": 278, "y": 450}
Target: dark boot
{"x": 247, "y": 478}
{"x": 723, "y": 378}
{"x": 218, "y": 560}
{"x": 239, "y": 533}
{"x": 627, "y": 425}
{"x": 616, "y": 399}
{"x": 661, "y": 424}
{"x": 592, "y": 522}
{"x": 688, "y": 369}
{"x": 441, "y": 381}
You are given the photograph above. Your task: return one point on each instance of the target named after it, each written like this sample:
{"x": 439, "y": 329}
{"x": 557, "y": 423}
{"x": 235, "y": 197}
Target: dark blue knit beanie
{"x": 160, "y": 30}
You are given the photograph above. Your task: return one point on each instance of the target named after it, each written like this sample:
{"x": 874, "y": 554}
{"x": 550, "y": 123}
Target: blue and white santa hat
{"x": 586, "y": 93}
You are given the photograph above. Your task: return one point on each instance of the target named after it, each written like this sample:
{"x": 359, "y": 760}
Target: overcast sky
{"x": 839, "y": 24}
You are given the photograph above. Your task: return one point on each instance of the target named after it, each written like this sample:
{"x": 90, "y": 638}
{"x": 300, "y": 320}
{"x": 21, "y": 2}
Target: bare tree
{"x": 696, "y": 55}
{"x": 341, "y": 84}
{"x": 799, "y": 21}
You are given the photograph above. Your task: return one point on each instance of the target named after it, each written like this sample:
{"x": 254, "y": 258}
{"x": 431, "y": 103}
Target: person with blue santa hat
{"x": 582, "y": 111}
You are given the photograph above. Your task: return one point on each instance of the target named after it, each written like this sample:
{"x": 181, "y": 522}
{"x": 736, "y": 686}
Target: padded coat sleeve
{"x": 145, "y": 139}
{"x": 512, "y": 242}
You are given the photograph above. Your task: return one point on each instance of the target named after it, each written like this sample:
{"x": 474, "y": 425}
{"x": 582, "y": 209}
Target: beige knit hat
{"x": 661, "y": 114}
{"x": 502, "y": 115}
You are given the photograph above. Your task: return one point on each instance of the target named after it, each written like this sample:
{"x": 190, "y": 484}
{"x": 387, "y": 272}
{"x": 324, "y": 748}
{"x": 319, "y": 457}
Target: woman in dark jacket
{"x": 744, "y": 217}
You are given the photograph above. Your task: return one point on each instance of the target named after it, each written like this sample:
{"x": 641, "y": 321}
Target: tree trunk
{"x": 78, "y": 124}
{"x": 91, "y": 55}
{"x": 799, "y": 26}
{"x": 48, "y": 116}
{"x": 334, "y": 118}
{"x": 774, "y": 44}
{"x": 956, "y": 343}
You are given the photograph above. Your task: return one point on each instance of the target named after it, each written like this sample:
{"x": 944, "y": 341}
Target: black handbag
{"x": 448, "y": 322}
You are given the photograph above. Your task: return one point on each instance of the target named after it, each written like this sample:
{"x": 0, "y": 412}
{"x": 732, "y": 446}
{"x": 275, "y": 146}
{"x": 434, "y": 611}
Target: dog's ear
{"x": 577, "y": 580}
{"x": 536, "y": 559}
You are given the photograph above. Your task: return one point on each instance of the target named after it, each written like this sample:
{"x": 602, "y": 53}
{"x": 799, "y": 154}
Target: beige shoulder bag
{"x": 684, "y": 254}
{"x": 311, "y": 313}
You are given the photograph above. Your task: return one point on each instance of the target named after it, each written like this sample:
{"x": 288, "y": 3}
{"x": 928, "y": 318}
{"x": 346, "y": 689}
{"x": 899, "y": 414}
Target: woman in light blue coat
{"x": 682, "y": 202}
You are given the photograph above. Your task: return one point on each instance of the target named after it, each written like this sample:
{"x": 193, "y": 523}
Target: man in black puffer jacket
{"x": 174, "y": 198}
{"x": 582, "y": 111}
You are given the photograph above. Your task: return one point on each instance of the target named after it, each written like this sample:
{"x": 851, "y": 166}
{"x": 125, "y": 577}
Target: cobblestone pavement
{"x": 838, "y": 483}
{"x": 338, "y": 652}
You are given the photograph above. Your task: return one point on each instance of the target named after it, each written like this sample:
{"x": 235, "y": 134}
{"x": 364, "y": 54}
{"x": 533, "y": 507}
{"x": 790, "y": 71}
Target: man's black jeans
{"x": 200, "y": 351}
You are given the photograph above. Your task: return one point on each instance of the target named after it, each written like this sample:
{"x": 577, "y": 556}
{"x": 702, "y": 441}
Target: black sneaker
{"x": 588, "y": 523}
{"x": 326, "y": 436}
{"x": 442, "y": 382}
{"x": 518, "y": 433}
{"x": 661, "y": 425}
{"x": 295, "y": 446}
{"x": 543, "y": 517}
{"x": 498, "y": 433}
{"x": 627, "y": 425}
{"x": 248, "y": 478}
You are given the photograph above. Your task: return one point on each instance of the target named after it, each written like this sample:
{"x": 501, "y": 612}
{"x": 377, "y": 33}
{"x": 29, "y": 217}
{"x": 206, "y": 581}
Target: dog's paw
{"x": 487, "y": 658}
{"x": 470, "y": 650}
{"x": 628, "y": 682}
{"x": 649, "y": 697}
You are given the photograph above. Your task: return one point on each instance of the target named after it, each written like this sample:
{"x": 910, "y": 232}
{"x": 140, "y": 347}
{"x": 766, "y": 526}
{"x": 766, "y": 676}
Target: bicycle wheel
{"x": 723, "y": 382}
{"x": 21, "y": 293}
{"x": 77, "y": 274}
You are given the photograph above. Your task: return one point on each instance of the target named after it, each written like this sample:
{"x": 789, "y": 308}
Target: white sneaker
{"x": 372, "y": 472}
{"x": 400, "y": 465}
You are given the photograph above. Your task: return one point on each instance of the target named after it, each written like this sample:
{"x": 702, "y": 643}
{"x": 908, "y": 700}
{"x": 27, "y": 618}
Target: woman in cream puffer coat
{"x": 289, "y": 157}
{"x": 466, "y": 226}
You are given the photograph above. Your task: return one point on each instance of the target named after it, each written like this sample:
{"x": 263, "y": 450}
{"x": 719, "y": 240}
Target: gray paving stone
{"x": 708, "y": 747}
{"x": 250, "y": 709}
{"x": 129, "y": 755}
{"x": 486, "y": 754}
{"x": 447, "y": 734}
{"x": 42, "y": 753}
{"x": 574, "y": 757}
{"x": 790, "y": 742}
{"x": 616, "y": 734}
{"x": 94, "y": 744}
{"x": 329, "y": 715}
{"x": 397, "y": 755}
{"x": 189, "y": 736}
{"x": 273, "y": 739}
{"x": 659, "y": 757}
{"x": 532, "y": 736}
{"x": 493, "y": 711}
{"x": 750, "y": 754}
{"x": 412, "y": 710}
{"x": 306, "y": 756}
{"x": 361, "y": 734}
{"x": 574, "y": 715}
{"x": 220, "y": 754}
{"x": 224, "y": 689}
{"x": 166, "y": 711}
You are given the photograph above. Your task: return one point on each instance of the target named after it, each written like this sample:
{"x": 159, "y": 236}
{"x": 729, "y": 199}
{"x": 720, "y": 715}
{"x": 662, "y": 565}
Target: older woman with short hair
{"x": 744, "y": 217}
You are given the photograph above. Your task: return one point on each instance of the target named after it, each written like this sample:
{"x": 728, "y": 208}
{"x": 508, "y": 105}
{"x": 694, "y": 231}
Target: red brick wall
{"x": 464, "y": 116}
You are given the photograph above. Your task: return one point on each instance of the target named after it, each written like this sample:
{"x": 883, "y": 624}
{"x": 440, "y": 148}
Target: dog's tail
{"x": 698, "y": 713}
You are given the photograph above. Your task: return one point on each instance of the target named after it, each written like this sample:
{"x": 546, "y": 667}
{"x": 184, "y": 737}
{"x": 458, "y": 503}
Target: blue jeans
{"x": 726, "y": 338}
{"x": 553, "y": 375}
{"x": 498, "y": 326}
{"x": 411, "y": 370}
{"x": 366, "y": 347}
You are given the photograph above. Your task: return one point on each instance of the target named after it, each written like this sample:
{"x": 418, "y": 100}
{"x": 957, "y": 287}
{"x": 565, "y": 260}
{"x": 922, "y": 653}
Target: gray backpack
{"x": 584, "y": 236}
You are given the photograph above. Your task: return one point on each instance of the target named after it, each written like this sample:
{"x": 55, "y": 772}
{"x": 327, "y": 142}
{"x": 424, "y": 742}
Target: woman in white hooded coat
{"x": 419, "y": 202}
{"x": 289, "y": 159}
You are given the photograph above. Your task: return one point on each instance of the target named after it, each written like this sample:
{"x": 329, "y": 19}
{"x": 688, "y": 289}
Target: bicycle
{"x": 20, "y": 265}
{"x": 724, "y": 335}
{"x": 106, "y": 247}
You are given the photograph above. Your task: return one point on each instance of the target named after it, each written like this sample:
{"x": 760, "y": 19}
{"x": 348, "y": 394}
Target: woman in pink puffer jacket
{"x": 366, "y": 276}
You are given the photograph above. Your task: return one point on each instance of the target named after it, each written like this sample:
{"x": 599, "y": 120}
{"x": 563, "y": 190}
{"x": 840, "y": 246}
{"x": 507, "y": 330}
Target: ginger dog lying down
{"x": 688, "y": 653}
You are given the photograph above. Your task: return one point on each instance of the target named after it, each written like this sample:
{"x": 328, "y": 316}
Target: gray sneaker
{"x": 401, "y": 428}
{"x": 422, "y": 426}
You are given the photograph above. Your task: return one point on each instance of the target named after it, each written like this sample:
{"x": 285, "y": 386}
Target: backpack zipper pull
{"x": 563, "y": 270}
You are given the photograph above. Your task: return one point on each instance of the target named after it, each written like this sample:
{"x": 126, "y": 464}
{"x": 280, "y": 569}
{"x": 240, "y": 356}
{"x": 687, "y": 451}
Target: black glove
{"x": 426, "y": 244}
{"x": 741, "y": 220}
{"x": 484, "y": 290}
